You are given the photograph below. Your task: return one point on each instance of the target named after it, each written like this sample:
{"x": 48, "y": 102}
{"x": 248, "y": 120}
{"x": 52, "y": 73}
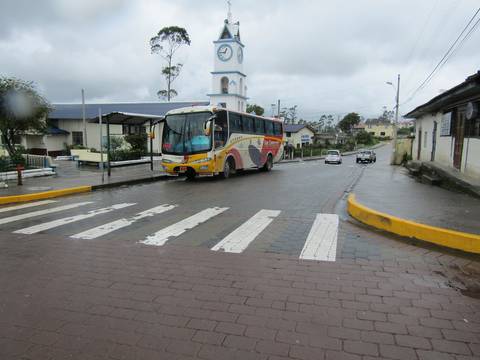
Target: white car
{"x": 333, "y": 157}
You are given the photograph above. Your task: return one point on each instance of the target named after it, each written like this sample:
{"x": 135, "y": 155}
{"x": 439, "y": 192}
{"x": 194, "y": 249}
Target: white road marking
{"x": 42, "y": 212}
{"x": 24, "y": 206}
{"x": 238, "y": 240}
{"x": 120, "y": 223}
{"x": 59, "y": 222}
{"x": 162, "y": 236}
{"x": 321, "y": 243}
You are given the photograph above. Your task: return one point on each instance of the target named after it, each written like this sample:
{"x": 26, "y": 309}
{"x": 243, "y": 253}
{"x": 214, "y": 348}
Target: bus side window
{"x": 269, "y": 127}
{"x": 220, "y": 134}
{"x": 277, "y": 128}
{"x": 259, "y": 126}
{"x": 247, "y": 122}
{"x": 235, "y": 123}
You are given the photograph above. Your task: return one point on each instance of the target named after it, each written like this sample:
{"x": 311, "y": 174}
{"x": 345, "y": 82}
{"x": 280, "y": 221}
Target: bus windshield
{"x": 183, "y": 134}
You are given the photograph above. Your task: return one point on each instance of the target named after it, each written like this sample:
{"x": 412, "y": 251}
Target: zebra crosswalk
{"x": 320, "y": 244}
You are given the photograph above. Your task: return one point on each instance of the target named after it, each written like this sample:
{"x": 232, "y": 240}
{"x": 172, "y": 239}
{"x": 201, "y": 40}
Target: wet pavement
{"x": 392, "y": 190}
{"x": 66, "y": 295}
{"x": 70, "y": 175}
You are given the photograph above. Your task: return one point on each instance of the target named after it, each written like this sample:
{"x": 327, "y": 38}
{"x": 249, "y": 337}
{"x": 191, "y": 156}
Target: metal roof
{"x": 74, "y": 111}
{"x": 53, "y": 130}
{"x": 294, "y": 127}
{"x": 463, "y": 92}
{"x": 123, "y": 118}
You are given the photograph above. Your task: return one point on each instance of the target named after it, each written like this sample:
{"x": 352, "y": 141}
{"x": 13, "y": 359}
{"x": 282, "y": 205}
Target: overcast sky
{"x": 324, "y": 56}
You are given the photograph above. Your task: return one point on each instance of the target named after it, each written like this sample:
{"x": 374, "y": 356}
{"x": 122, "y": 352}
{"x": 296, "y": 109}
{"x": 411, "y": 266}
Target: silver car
{"x": 366, "y": 156}
{"x": 333, "y": 157}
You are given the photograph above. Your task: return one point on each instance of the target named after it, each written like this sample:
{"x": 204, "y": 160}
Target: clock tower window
{"x": 224, "y": 85}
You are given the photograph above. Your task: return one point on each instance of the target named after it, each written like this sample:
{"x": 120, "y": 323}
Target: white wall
{"x": 471, "y": 162}
{"x": 93, "y": 131}
{"x": 55, "y": 142}
{"x": 296, "y": 138}
{"x": 445, "y": 146}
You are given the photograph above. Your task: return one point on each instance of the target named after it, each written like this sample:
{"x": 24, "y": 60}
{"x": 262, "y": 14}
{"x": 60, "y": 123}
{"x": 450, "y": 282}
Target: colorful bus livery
{"x": 208, "y": 141}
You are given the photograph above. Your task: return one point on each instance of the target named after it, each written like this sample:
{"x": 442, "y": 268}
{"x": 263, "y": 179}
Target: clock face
{"x": 240, "y": 55}
{"x": 225, "y": 52}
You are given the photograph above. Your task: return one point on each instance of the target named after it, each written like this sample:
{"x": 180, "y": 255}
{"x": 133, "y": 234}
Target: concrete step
{"x": 431, "y": 179}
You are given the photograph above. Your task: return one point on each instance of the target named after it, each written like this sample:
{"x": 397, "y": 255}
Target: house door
{"x": 434, "y": 141}
{"x": 459, "y": 135}
{"x": 419, "y": 143}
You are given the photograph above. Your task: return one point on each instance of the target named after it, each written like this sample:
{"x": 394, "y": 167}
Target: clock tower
{"x": 228, "y": 80}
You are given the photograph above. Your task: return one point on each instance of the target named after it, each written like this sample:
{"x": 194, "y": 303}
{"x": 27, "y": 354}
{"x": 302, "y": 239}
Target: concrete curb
{"x": 75, "y": 190}
{"x": 44, "y": 195}
{"x": 444, "y": 237}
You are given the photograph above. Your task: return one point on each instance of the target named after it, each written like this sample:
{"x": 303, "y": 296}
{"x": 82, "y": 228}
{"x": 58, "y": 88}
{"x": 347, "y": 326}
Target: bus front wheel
{"x": 228, "y": 168}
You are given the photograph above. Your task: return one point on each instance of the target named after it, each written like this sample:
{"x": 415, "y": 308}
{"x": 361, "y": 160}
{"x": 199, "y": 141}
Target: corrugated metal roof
{"x": 53, "y": 130}
{"x": 294, "y": 127}
{"x": 74, "y": 111}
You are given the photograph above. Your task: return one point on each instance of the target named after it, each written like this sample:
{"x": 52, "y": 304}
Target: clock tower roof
{"x": 230, "y": 30}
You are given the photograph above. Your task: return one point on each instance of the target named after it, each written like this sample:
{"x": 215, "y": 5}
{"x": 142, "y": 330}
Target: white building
{"x": 66, "y": 125}
{"x": 447, "y": 128}
{"x": 229, "y": 87}
{"x": 299, "y": 135}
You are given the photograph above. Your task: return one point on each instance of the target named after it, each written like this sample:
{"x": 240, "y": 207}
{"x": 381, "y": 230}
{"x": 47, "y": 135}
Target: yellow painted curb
{"x": 44, "y": 195}
{"x": 440, "y": 236}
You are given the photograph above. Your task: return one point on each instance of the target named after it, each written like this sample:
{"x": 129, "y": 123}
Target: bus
{"x": 209, "y": 141}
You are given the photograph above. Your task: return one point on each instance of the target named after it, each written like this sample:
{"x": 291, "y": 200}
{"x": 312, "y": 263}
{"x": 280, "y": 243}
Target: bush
{"x": 123, "y": 155}
{"x": 138, "y": 142}
{"x": 365, "y": 138}
{"x": 18, "y": 159}
{"x": 4, "y": 164}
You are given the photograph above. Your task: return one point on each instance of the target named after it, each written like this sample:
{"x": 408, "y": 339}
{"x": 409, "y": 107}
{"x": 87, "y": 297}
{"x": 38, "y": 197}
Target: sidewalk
{"x": 390, "y": 189}
{"x": 69, "y": 175}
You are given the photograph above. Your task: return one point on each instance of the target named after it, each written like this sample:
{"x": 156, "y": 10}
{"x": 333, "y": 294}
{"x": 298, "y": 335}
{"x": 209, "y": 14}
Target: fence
{"x": 37, "y": 161}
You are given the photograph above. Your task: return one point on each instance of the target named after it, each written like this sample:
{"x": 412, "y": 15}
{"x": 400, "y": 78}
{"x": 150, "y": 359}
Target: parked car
{"x": 333, "y": 157}
{"x": 366, "y": 156}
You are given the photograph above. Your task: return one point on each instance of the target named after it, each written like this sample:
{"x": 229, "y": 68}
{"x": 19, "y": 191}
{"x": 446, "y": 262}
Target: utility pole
{"x": 395, "y": 125}
{"x": 278, "y": 108}
{"x": 84, "y": 120}
{"x": 101, "y": 145}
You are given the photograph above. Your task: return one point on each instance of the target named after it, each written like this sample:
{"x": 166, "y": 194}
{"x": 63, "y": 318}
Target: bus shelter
{"x": 124, "y": 118}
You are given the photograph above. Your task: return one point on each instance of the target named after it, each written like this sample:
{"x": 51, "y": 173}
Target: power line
{"x": 445, "y": 57}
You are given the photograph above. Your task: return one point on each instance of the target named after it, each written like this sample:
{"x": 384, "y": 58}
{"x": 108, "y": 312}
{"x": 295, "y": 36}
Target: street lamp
{"x": 397, "y": 89}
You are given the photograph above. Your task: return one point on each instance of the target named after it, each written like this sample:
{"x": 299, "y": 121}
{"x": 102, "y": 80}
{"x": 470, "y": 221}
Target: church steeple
{"x": 228, "y": 80}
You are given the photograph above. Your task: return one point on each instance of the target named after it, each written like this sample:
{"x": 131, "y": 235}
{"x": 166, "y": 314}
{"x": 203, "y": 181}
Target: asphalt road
{"x": 129, "y": 273}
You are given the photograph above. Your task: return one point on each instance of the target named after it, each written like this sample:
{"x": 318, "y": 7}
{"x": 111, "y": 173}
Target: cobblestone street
{"x": 69, "y": 297}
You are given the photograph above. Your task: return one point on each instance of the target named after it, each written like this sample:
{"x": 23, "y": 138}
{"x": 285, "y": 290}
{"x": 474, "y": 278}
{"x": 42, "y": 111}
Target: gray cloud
{"x": 322, "y": 56}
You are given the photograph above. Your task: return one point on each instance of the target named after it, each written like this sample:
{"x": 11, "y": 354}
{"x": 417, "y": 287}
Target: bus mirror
{"x": 207, "y": 125}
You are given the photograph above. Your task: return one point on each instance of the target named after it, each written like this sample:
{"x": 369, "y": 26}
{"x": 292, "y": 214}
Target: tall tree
{"x": 254, "y": 108}
{"x": 166, "y": 43}
{"x": 349, "y": 121}
{"x": 289, "y": 114}
{"x": 22, "y": 110}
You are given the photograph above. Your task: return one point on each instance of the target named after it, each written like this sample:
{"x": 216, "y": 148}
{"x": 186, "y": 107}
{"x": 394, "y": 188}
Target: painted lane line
{"x": 43, "y": 212}
{"x": 238, "y": 240}
{"x": 59, "y": 222}
{"x": 177, "y": 229}
{"x": 121, "y": 223}
{"x": 24, "y": 206}
{"x": 321, "y": 243}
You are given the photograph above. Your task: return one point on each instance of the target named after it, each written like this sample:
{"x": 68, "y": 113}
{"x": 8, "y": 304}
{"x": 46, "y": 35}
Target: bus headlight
{"x": 201, "y": 160}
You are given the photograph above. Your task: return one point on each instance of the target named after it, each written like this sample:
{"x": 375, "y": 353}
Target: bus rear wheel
{"x": 268, "y": 164}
